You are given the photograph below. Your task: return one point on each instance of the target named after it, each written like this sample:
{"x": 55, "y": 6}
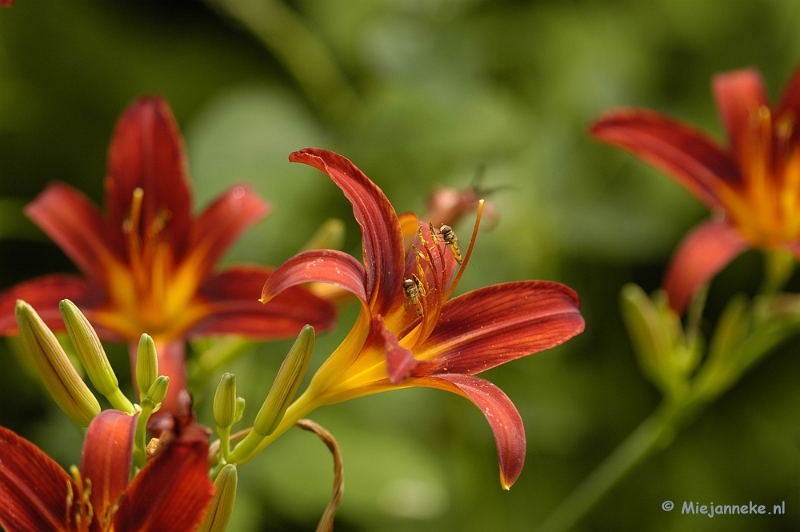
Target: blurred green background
{"x": 421, "y": 93}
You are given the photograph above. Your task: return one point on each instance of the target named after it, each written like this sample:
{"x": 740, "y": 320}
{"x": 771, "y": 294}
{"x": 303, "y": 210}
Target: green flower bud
{"x": 158, "y": 391}
{"x": 89, "y": 349}
{"x": 225, "y": 401}
{"x": 651, "y": 341}
{"x": 146, "y": 364}
{"x": 658, "y": 339}
{"x": 239, "y": 410}
{"x": 51, "y": 362}
{"x": 286, "y": 383}
{"x": 219, "y": 513}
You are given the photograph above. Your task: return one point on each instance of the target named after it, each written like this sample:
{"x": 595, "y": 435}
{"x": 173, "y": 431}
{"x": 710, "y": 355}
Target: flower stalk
{"x": 745, "y": 333}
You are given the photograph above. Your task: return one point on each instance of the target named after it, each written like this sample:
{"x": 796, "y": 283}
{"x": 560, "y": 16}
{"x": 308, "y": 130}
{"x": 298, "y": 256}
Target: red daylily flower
{"x": 170, "y": 494}
{"x": 752, "y": 186}
{"x": 429, "y": 339}
{"x": 148, "y": 263}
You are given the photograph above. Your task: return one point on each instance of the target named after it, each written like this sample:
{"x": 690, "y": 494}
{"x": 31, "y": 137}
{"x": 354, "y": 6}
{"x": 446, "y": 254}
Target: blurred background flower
{"x": 420, "y": 93}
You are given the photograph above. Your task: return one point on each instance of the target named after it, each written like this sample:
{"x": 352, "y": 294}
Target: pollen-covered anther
{"x": 83, "y": 511}
{"x": 152, "y": 448}
{"x": 130, "y": 223}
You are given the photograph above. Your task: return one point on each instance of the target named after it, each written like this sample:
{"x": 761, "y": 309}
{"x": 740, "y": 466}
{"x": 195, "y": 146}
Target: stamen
{"x": 84, "y": 512}
{"x": 131, "y": 227}
{"x": 468, "y": 253}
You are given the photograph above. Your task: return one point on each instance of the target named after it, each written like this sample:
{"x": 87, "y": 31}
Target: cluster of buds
{"x": 76, "y": 400}
{"x": 672, "y": 355}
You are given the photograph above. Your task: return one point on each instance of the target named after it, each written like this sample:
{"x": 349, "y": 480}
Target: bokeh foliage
{"x": 436, "y": 90}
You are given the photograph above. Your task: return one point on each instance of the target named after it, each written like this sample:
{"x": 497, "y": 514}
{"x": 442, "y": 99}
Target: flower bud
{"x": 225, "y": 401}
{"x": 51, "y": 362}
{"x": 146, "y": 364}
{"x": 90, "y": 350}
{"x": 219, "y": 513}
{"x": 158, "y": 391}
{"x": 286, "y": 383}
{"x": 240, "y": 403}
{"x": 658, "y": 338}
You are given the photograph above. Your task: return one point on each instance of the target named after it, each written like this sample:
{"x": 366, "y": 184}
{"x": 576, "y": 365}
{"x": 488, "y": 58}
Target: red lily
{"x": 170, "y": 494}
{"x": 753, "y": 186}
{"x": 427, "y": 339}
{"x": 148, "y": 263}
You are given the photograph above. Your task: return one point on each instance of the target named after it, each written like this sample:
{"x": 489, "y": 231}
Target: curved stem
{"x": 654, "y": 433}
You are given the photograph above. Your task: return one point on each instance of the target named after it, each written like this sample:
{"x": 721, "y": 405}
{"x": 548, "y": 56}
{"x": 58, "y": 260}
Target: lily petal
{"x": 233, "y": 309}
{"x": 171, "y": 493}
{"x": 686, "y": 154}
{"x": 75, "y": 224}
{"x": 382, "y": 241}
{"x": 220, "y": 224}
{"x": 33, "y": 487}
{"x": 706, "y": 250}
{"x": 106, "y": 461}
{"x": 500, "y": 412}
{"x": 789, "y": 109}
{"x": 739, "y": 95}
{"x": 44, "y": 294}
{"x": 318, "y": 265}
{"x": 399, "y": 360}
{"x": 496, "y": 324}
{"x": 790, "y": 102}
{"x": 147, "y": 152}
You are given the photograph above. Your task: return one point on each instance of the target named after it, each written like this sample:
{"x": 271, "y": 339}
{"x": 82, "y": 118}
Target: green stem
{"x": 254, "y": 442}
{"x": 651, "y": 435}
{"x": 224, "y": 443}
{"x": 120, "y": 402}
{"x": 140, "y": 437}
{"x": 778, "y": 267}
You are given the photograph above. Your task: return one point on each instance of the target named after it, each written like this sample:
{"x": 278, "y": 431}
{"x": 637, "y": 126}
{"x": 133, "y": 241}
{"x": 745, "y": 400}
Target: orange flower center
{"x": 151, "y": 293}
{"x": 765, "y": 206}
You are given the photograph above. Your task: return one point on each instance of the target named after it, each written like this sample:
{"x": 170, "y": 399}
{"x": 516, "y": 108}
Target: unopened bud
{"x": 90, "y": 350}
{"x": 51, "y": 362}
{"x": 219, "y": 513}
{"x": 158, "y": 391}
{"x": 658, "y": 339}
{"x": 240, "y": 403}
{"x": 146, "y": 364}
{"x": 286, "y": 383}
{"x": 225, "y": 401}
